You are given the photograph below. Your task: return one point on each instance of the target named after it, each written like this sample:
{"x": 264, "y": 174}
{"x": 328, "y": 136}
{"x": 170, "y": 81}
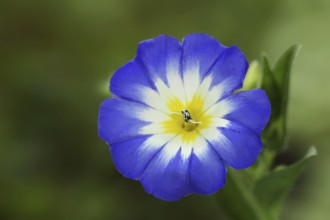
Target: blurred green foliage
{"x": 56, "y": 58}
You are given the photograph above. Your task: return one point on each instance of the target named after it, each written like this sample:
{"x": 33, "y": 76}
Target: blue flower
{"x": 173, "y": 121}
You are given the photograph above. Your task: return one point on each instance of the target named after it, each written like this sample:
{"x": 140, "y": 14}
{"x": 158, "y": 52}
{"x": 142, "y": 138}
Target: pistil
{"x": 188, "y": 123}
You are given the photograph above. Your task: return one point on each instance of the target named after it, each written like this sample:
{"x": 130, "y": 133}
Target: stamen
{"x": 187, "y": 117}
{"x": 195, "y": 122}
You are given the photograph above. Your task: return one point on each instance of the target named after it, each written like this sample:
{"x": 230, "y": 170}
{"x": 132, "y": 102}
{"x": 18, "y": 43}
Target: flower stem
{"x": 237, "y": 200}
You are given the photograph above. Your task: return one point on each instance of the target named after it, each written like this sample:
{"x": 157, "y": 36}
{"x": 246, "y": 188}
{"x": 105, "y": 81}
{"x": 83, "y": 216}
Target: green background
{"x": 56, "y": 58}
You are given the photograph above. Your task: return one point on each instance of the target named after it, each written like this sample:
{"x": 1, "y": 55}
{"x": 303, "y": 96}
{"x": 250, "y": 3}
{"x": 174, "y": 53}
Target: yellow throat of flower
{"x": 186, "y": 119}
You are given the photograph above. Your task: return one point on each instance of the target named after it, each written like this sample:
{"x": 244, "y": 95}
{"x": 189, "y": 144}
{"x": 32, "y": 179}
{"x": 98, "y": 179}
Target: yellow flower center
{"x": 177, "y": 123}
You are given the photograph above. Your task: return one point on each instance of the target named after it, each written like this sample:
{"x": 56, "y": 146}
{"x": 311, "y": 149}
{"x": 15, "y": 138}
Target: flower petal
{"x": 161, "y": 57}
{"x": 131, "y": 82}
{"x": 237, "y": 145}
{"x": 127, "y": 80}
{"x": 250, "y": 109}
{"x": 207, "y": 171}
{"x": 132, "y": 156}
{"x": 155, "y": 54}
{"x": 228, "y": 72}
{"x": 180, "y": 169}
{"x": 200, "y": 51}
{"x": 167, "y": 175}
{"x": 121, "y": 120}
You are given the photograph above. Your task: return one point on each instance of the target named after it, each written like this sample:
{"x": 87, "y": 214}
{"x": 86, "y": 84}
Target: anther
{"x": 187, "y": 117}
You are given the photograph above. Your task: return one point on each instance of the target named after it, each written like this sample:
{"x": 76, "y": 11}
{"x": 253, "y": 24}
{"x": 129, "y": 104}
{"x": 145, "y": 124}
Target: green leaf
{"x": 276, "y": 84}
{"x": 236, "y": 199}
{"x": 271, "y": 87}
{"x": 283, "y": 67}
{"x": 272, "y": 189}
{"x": 281, "y": 74}
{"x": 272, "y": 136}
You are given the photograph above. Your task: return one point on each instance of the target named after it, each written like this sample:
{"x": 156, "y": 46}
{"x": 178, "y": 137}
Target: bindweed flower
{"x": 173, "y": 121}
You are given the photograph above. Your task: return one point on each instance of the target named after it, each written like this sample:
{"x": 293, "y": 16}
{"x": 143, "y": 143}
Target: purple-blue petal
{"x": 250, "y": 109}
{"x": 156, "y": 54}
{"x": 240, "y": 147}
{"x": 203, "y": 173}
{"x": 130, "y": 157}
{"x": 167, "y": 181}
{"x": 207, "y": 173}
{"x": 127, "y": 81}
{"x": 229, "y": 69}
{"x": 200, "y": 49}
{"x": 117, "y": 120}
